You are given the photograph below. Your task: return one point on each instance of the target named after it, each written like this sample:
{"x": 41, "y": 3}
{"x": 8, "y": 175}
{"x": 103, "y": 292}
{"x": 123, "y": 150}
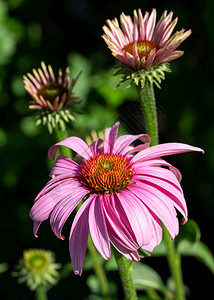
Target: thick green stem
{"x": 124, "y": 268}
{"x": 41, "y": 293}
{"x": 99, "y": 270}
{"x": 148, "y": 106}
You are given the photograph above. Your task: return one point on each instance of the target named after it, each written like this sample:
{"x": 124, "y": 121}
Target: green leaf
{"x": 94, "y": 284}
{"x": 160, "y": 250}
{"x": 144, "y": 277}
{"x": 199, "y": 250}
{"x": 190, "y": 231}
{"x": 3, "y": 267}
{"x": 111, "y": 264}
{"x": 79, "y": 63}
{"x": 66, "y": 270}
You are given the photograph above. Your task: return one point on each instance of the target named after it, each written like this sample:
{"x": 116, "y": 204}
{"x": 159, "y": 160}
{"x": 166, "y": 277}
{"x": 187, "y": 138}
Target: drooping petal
{"x": 119, "y": 234}
{"x": 64, "y": 208}
{"x": 74, "y": 143}
{"x": 158, "y": 173}
{"x": 56, "y": 182}
{"x": 110, "y": 137}
{"x": 135, "y": 212}
{"x": 63, "y": 165}
{"x": 157, "y": 162}
{"x": 166, "y": 182}
{"x": 166, "y": 213}
{"x": 133, "y": 256}
{"x": 79, "y": 236}
{"x": 98, "y": 229}
{"x": 156, "y": 233}
{"x": 164, "y": 150}
{"x": 36, "y": 226}
{"x": 44, "y": 204}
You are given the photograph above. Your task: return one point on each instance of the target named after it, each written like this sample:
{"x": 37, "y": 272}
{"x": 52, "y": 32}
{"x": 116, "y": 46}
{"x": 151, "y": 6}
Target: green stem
{"x": 174, "y": 264}
{"x": 98, "y": 268}
{"x": 148, "y": 106}
{"x": 124, "y": 268}
{"x": 41, "y": 293}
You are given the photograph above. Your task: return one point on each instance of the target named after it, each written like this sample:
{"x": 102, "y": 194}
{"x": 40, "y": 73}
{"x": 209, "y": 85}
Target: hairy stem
{"x": 148, "y": 107}
{"x": 124, "y": 268}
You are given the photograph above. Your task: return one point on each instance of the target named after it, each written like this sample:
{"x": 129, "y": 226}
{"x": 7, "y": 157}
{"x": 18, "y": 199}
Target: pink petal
{"x": 63, "y": 165}
{"x": 121, "y": 236}
{"x": 96, "y": 147}
{"x": 124, "y": 141}
{"x": 44, "y": 204}
{"x": 79, "y": 236}
{"x": 134, "y": 212}
{"x": 169, "y": 187}
{"x": 74, "y": 143}
{"x": 130, "y": 149}
{"x": 156, "y": 163}
{"x": 64, "y": 208}
{"x": 165, "y": 212}
{"x": 36, "y": 226}
{"x": 58, "y": 181}
{"x": 167, "y": 176}
{"x": 133, "y": 256}
{"x": 156, "y": 233}
{"x": 150, "y": 25}
{"x": 98, "y": 229}
{"x": 163, "y": 150}
{"x": 110, "y": 137}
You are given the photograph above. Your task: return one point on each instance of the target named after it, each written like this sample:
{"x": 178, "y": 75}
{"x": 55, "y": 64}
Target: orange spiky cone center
{"x": 106, "y": 173}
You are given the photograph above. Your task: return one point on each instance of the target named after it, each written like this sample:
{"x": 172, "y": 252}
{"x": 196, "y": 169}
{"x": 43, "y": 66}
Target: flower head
{"x": 37, "y": 267}
{"x": 124, "y": 196}
{"x": 51, "y": 97}
{"x": 141, "y": 44}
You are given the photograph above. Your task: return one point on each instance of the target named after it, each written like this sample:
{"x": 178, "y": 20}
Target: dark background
{"x": 69, "y": 32}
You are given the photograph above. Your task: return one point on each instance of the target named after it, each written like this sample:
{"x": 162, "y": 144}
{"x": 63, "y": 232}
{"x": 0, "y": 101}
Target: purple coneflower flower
{"x": 124, "y": 196}
{"x": 51, "y": 96}
{"x": 141, "y": 43}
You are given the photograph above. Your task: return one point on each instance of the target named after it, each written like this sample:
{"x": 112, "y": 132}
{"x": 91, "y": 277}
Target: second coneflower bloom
{"x": 51, "y": 96}
{"x": 141, "y": 43}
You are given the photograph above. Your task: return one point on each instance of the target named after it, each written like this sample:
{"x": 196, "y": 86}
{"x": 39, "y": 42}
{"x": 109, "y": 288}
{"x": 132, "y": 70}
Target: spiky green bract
{"x": 141, "y": 77}
{"x": 54, "y": 118}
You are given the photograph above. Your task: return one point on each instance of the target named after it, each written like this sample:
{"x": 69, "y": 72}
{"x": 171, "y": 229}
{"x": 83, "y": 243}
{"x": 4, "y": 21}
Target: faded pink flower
{"x": 124, "y": 196}
{"x": 141, "y": 43}
{"x": 47, "y": 92}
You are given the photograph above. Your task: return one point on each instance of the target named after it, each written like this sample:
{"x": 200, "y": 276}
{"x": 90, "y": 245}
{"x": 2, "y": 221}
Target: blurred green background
{"x": 68, "y": 32}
